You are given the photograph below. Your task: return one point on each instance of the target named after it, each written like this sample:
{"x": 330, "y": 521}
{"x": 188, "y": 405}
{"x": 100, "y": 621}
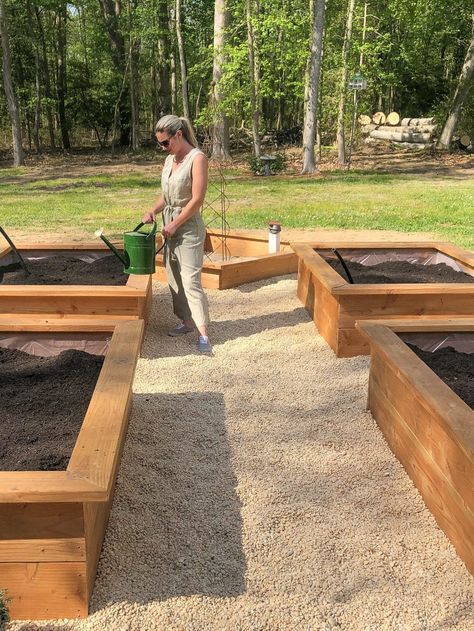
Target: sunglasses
{"x": 164, "y": 143}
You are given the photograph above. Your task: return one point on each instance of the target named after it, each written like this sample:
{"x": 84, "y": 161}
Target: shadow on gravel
{"x": 175, "y": 527}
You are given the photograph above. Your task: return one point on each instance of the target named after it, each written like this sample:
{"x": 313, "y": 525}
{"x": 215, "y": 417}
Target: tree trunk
{"x": 220, "y": 127}
{"x": 36, "y": 122}
{"x": 401, "y": 136}
{"x": 134, "y": 83}
{"x": 254, "y": 79}
{"x": 112, "y": 12}
{"x": 164, "y": 91}
{"x": 47, "y": 80}
{"x": 174, "y": 89}
{"x": 462, "y": 90}
{"x": 418, "y": 122}
{"x": 318, "y": 8}
{"x": 61, "y": 18}
{"x": 12, "y": 103}
{"x": 182, "y": 61}
{"x": 341, "y": 143}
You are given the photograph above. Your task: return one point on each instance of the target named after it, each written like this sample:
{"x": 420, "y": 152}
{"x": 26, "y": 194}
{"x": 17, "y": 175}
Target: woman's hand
{"x": 169, "y": 229}
{"x": 148, "y": 217}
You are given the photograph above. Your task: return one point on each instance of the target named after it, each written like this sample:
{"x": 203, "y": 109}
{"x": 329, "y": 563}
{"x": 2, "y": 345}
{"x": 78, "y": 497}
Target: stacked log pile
{"x": 416, "y": 133}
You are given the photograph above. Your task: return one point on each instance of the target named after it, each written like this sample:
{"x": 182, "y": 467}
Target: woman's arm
{"x": 149, "y": 217}
{"x": 198, "y": 193}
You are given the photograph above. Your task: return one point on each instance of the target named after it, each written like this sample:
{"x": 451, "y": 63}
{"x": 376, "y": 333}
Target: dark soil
{"x": 43, "y": 401}
{"x": 400, "y": 272}
{"x": 456, "y": 369}
{"x": 67, "y": 270}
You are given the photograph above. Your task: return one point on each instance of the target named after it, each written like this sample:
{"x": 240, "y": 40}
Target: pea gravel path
{"x": 256, "y": 493}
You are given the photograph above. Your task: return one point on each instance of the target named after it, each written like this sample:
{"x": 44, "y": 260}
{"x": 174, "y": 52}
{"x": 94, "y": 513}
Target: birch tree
{"x": 255, "y": 99}
{"x": 12, "y": 103}
{"x": 462, "y": 90}
{"x": 341, "y": 141}
{"x": 182, "y": 60}
{"x": 318, "y": 9}
{"x": 220, "y": 127}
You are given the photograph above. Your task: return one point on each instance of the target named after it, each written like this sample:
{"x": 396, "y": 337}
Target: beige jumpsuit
{"x": 184, "y": 251}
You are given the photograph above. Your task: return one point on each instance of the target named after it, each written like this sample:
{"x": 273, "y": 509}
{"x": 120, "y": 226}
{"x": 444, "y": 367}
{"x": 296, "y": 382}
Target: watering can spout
{"x": 123, "y": 258}
{"x": 139, "y": 250}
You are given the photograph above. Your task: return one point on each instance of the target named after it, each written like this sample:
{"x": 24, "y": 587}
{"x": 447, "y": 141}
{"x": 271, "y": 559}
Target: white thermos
{"x": 274, "y": 229}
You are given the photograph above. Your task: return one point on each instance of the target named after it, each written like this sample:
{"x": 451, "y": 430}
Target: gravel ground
{"x": 256, "y": 493}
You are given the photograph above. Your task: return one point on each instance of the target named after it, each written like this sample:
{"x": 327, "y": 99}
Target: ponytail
{"x": 172, "y": 124}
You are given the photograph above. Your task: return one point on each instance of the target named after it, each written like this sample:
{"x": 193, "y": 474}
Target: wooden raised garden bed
{"x": 335, "y": 304}
{"x": 52, "y": 523}
{"x": 130, "y": 301}
{"x": 247, "y": 261}
{"x": 428, "y": 427}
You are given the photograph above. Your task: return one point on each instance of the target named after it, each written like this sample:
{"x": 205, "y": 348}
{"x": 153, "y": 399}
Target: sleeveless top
{"x": 177, "y": 185}
{"x": 177, "y": 188}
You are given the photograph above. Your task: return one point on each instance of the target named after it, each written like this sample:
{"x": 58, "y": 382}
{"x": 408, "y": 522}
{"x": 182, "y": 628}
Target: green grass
{"x": 355, "y": 200}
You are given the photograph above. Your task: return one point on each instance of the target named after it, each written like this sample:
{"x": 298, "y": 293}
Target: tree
{"x": 61, "y": 19}
{"x": 254, "y": 71}
{"x": 182, "y": 60}
{"x": 18, "y": 155}
{"x": 341, "y": 142}
{"x": 462, "y": 90}
{"x": 220, "y": 123}
{"x": 314, "y": 63}
{"x": 111, "y": 13}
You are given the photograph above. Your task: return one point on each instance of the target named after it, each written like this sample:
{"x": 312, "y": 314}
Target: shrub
{"x": 4, "y": 613}
{"x": 276, "y": 166}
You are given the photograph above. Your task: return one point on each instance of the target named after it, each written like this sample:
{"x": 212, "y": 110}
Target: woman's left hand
{"x": 169, "y": 229}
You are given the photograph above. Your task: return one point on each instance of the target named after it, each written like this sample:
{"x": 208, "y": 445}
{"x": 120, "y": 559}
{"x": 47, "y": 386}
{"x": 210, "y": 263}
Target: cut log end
{"x": 393, "y": 118}
{"x": 364, "y": 119}
{"x": 379, "y": 118}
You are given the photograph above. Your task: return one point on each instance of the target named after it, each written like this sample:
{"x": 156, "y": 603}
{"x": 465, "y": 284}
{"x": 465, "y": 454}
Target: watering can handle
{"x": 152, "y": 231}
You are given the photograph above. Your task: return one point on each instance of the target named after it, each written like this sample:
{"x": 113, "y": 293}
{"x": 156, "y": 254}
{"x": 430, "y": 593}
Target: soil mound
{"x": 68, "y": 270}
{"x": 43, "y": 403}
{"x": 400, "y": 272}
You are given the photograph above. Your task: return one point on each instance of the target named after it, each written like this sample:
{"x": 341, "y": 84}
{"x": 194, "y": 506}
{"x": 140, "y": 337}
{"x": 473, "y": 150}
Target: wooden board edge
{"x": 98, "y": 445}
{"x": 436, "y": 396}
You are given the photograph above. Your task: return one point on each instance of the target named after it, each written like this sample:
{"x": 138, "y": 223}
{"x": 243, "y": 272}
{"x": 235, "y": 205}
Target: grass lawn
{"x": 356, "y": 200}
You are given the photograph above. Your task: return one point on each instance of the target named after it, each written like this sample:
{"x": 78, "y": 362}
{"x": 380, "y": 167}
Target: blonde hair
{"x": 171, "y": 124}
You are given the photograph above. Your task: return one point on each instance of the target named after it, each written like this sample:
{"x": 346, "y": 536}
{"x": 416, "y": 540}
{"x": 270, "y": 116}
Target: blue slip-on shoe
{"x": 203, "y": 345}
{"x": 180, "y": 329}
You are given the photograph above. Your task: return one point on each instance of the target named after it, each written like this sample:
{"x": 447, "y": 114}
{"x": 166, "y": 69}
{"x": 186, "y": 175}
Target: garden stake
{"x": 13, "y": 247}
{"x": 351, "y": 280}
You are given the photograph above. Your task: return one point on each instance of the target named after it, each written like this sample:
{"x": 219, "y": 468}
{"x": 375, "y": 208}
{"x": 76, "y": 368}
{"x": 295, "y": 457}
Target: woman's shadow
{"x": 175, "y": 527}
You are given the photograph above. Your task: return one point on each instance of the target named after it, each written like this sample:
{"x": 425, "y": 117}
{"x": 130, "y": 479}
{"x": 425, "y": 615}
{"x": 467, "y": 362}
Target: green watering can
{"x": 139, "y": 250}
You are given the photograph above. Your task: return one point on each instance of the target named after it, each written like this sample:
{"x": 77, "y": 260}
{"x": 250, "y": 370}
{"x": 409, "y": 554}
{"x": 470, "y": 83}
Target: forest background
{"x": 101, "y": 72}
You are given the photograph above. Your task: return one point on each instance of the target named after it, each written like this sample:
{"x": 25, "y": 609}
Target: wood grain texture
{"x": 228, "y": 274}
{"x": 52, "y": 524}
{"x": 371, "y": 301}
{"x": 428, "y": 427}
{"x": 42, "y": 550}
{"x": 45, "y": 590}
{"x": 129, "y": 301}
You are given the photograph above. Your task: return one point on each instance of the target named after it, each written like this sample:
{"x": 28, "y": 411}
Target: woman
{"x": 183, "y": 185}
